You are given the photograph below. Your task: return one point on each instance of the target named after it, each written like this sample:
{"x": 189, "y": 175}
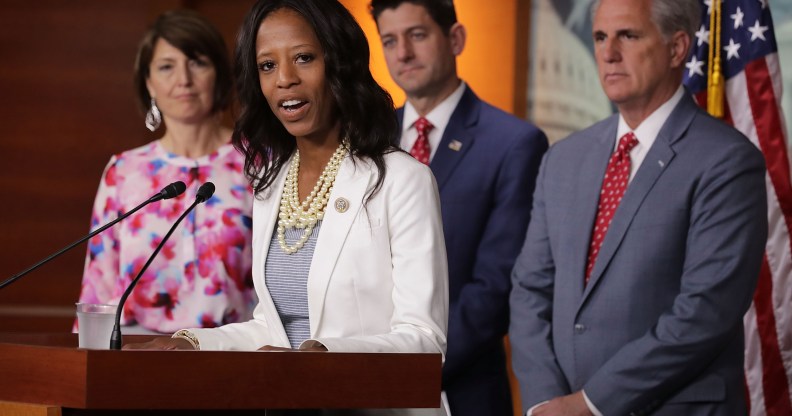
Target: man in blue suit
{"x": 485, "y": 162}
{"x": 645, "y": 241}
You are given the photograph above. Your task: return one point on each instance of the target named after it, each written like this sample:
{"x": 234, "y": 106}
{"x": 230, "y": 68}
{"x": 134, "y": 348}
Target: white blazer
{"x": 378, "y": 280}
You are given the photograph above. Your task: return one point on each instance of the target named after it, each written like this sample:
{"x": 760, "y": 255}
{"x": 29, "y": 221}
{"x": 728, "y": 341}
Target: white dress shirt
{"x": 647, "y": 131}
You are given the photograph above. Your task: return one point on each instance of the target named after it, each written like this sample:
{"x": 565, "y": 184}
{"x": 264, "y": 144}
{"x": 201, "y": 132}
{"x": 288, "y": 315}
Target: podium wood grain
{"x": 49, "y": 370}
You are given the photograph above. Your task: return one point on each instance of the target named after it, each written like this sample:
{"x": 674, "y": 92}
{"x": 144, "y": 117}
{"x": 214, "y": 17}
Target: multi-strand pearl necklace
{"x": 293, "y": 214}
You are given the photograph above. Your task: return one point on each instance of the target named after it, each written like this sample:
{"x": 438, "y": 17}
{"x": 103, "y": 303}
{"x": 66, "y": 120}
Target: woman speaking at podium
{"x": 202, "y": 277}
{"x": 348, "y": 251}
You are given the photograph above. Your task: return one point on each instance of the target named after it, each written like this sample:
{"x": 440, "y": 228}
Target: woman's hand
{"x": 271, "y": 348}
{"x": 161, "y": 343}
{"x": 318, "y": 348}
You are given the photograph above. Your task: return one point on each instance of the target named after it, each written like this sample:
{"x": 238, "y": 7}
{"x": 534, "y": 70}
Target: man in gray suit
{"x": 645, "y": 241}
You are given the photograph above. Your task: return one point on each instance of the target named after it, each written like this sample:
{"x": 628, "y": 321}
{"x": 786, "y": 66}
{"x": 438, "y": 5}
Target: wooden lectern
{"x": 49, "y": 375}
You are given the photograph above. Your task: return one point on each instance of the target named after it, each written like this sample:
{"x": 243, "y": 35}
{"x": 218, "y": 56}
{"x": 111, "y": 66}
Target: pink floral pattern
{"x": 202, "y": 275}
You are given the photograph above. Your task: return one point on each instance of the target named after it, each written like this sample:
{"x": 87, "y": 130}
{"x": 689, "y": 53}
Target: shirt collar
{"x": 439, "y": 116}
{"x": 647, "y": 131}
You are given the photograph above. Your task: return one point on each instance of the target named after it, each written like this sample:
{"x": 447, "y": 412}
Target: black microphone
{"x": 205, "y": 192}
{"x": 173, "y": 190}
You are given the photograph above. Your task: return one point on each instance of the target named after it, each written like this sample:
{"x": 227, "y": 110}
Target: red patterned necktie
{"x": 421, "y": 150}
{"x": 613, "y": 186}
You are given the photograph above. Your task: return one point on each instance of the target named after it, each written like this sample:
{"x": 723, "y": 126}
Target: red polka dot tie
{"x": 421, "y": 150}
{"x": 613, "y": 186}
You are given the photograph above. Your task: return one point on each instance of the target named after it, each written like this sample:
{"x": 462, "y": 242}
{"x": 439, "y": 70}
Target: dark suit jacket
{"x": 658, "y": 329}
{"x": 485, "y": 195}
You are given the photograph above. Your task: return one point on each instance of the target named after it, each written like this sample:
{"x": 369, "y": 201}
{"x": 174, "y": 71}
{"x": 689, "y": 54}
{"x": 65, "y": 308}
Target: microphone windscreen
{"x": 173, "y": 190}
{"x": 205, "y": 192}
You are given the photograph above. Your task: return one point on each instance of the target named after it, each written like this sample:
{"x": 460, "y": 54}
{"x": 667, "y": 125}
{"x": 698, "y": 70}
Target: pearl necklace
{"x": 293, "y": 214}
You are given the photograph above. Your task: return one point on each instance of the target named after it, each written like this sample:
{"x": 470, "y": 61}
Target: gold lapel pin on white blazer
{"x": 341, "y": 205}
{"x": 455, "y": 145}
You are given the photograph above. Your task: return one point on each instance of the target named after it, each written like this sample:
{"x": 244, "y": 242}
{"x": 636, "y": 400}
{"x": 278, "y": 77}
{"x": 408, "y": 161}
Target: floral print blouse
{"x": 202, "y": 275}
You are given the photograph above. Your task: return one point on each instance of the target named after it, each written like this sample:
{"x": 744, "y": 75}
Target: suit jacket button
{"x": 580, "y": 328}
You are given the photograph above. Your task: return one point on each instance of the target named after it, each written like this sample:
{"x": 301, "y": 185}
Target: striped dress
{"x": 286, "y": 277}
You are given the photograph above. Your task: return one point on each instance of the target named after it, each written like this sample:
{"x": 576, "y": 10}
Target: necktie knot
{"x": 627, "y": 142}
{"x": 423, "y": 126}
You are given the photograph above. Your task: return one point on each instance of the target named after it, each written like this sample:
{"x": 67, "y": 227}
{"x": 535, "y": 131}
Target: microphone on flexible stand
{"x": 173, "y": 190}
{"x": 205, "y": 192}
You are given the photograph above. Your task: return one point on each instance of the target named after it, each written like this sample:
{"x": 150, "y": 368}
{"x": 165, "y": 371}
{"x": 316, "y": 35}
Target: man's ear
{"x": 680, "y": 46}
{"x": 457, "y": 35}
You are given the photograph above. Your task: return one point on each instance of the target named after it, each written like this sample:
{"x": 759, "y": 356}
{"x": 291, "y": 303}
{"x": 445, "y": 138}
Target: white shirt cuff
{"x": 591, "y": 406}
{"x": 530, "y": 411}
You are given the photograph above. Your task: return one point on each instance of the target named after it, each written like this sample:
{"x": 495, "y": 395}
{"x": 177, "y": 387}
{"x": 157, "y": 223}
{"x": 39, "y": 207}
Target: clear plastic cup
{"x": 95, "y": 325}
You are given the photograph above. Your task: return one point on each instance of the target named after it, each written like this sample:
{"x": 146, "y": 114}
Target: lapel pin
{"x": 341, "y": 205}
{"x": 661, "y": 163}
{"x": 455, "y": 145}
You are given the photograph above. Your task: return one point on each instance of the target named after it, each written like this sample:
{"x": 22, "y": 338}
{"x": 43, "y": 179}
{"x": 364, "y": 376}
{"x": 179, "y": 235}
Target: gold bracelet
{"x": 189, "y": 336}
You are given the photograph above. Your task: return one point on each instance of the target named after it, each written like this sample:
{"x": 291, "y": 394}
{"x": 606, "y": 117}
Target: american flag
{"x": 752, "y": 97}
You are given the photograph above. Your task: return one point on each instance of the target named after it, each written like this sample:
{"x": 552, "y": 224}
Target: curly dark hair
{"x": 192, "y": 34}
{"x": 364, "y": 108}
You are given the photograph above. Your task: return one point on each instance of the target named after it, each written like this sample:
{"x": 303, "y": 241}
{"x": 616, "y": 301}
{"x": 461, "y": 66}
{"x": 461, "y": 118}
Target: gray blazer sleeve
{"x": 531, "y": 303}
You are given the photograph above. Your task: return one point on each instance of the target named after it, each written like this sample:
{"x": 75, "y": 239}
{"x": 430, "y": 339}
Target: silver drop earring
{"x": 153, "y": 116}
